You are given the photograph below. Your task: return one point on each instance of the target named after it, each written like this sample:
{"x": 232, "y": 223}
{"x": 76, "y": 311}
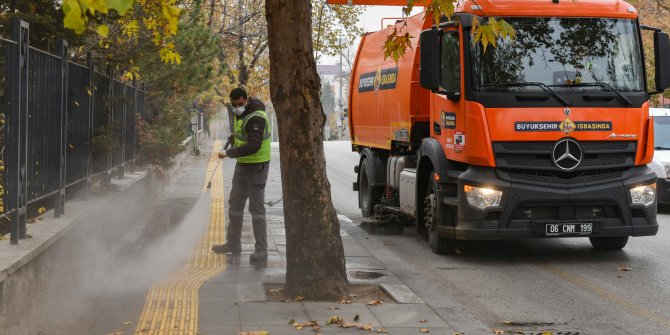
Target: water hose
{"x": 209, "y": 184}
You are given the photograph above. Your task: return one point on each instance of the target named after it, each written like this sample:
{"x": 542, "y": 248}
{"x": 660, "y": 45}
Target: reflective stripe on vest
{"x": 241, "y": 138}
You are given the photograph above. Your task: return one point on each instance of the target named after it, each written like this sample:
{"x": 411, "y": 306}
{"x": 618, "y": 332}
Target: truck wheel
{"x": 609, "y": 243}
{"x": 368, "y": 197}
{"x": 438, "y": 244}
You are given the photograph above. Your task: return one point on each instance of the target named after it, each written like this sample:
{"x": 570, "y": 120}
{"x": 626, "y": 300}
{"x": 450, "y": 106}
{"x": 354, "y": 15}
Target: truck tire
{"x": 368, "y": 196}
{"x": 438, "y": 244}
{"x": 609, "y": 243}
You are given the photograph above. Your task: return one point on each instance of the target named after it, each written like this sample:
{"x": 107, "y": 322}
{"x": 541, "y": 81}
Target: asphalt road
{"x": 535, "y": 285}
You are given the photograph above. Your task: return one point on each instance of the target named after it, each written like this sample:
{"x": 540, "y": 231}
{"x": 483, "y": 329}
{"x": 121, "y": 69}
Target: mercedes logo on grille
{"x": 567, "y": 154}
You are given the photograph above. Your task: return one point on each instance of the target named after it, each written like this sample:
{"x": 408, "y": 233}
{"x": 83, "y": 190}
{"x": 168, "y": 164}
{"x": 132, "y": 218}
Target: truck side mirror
{"x": 429, "y": 68}
{"x": 662, "y": 57}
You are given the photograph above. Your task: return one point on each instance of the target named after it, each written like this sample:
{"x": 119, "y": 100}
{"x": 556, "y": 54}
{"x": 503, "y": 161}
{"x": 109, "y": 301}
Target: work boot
{"x": 227, "y": 249}
{"x": 258, "y": 256}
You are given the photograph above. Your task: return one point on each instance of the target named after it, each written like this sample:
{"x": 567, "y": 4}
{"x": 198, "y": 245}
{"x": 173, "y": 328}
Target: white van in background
{"x": 661, "y": 162}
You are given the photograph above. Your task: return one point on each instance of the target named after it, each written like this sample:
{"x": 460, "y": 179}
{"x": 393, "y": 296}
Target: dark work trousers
{"x": 248, "y": 182}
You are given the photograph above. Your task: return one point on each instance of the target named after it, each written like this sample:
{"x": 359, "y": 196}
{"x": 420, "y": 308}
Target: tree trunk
{"x": 243, "y": 72}
{"x": 212, "y": 8}
{"x": 315, "y": 266}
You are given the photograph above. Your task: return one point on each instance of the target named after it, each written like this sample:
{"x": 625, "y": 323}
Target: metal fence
{"x": 64, "y": 123}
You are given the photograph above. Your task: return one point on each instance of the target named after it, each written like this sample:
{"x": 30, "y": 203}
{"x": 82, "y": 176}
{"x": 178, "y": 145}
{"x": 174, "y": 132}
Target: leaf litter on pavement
{"x": 340, "y": 322}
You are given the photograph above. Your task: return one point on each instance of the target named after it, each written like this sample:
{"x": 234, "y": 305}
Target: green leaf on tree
{"x": 121, "y": 6}
{"x": 102, "y": 30}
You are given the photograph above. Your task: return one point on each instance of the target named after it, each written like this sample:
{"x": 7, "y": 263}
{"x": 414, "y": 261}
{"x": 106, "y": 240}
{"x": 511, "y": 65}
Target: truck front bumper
{"x": 526, "y": 209}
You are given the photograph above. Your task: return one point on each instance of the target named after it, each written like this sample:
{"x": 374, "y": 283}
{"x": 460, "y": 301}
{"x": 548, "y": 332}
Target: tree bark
{"x": 243, "y": 72}
{"x": 315, "y": 266}
{"x": 212, "y": 10}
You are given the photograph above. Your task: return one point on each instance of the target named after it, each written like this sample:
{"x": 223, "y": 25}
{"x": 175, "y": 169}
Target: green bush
{"x": 161, "y": 140}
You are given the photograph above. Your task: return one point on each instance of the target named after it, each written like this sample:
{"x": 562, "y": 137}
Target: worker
{"x": 251, "y": 148}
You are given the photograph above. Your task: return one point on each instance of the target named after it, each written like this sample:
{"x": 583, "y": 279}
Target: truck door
{"x": 448, "y": 115}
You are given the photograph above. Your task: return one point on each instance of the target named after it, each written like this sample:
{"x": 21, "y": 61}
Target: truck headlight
{"x": 643, "y": 195}
{"x": 482, "y": 197}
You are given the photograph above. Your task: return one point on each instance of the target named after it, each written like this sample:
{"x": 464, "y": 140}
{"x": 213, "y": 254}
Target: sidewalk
{"x": 235, "y": 300}
{"x": 212, "y": 294}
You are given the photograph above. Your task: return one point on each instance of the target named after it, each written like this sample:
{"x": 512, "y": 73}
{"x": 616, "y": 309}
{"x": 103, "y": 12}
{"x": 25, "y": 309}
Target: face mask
{"x": 238, "y": 110}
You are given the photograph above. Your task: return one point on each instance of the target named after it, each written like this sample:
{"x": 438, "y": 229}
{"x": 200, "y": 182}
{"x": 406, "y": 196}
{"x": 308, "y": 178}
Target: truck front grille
{"x": 531, "y": 163}
{"x": 560, "y": 178}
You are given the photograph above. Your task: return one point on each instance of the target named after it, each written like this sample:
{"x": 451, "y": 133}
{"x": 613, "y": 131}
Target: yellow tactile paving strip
{"x": 171, "y": 307}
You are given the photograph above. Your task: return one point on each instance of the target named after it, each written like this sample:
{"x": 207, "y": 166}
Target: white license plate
{"x": 555, "y": 229}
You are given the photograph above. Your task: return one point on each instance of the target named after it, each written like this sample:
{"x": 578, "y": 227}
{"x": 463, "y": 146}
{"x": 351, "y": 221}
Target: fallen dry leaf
{"x": 423, "y": 320}
{"x": 335, "y": 320}
{"x": 424, "y": 331}
{"x": 333, "y": 308}
{"x": 344, "y": 302}
{"x": 339, "y": 321}
{"x": 381, "y": 331}
{"x": 41, "y": 210}
{"x": 624, "y": 268}
{"x": 507, "y": 322}
{"x": 375, "y": 302}
{"x": 301, "y": 325}
{"x": 258, "y": 332}
{"x": 299, "y": 298}
{"x": 367, "y": 327}
{"x": 499, "y": 332}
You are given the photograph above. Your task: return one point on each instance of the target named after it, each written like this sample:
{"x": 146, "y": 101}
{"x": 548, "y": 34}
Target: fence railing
{"x": 64, "y": 123}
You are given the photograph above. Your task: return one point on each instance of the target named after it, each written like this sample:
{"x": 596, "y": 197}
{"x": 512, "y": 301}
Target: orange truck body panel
{"x": 369, "y": 2}
{"x": 539, "y": 8}
{"x": 389, "y": 98}
{"x": 386, "y": 99}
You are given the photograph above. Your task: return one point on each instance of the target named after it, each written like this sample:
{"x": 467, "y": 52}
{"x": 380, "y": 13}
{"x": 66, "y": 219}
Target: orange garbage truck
{"x": 546, "y": 134}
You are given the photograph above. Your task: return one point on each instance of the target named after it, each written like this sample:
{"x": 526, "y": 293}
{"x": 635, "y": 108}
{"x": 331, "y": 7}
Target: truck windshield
{"x": 562, "y": 53}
